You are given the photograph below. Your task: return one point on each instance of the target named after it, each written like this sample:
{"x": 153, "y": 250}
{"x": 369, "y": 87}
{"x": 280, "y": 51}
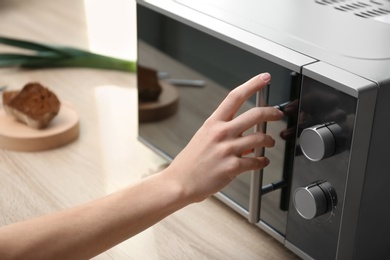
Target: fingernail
{"x": 265, "y": 77}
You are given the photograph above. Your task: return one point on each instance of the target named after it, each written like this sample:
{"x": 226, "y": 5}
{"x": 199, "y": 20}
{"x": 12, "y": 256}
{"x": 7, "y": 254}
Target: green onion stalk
{"x": 50, "y": 56}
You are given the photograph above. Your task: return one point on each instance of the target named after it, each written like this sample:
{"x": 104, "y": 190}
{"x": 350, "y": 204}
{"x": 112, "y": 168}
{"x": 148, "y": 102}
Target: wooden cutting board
{"x": 63, "y": 129}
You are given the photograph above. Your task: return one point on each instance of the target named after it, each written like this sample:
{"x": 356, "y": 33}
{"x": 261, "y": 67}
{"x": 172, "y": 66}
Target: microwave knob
{"x": 318, "y": 142}
{"x": 315, "y": 200}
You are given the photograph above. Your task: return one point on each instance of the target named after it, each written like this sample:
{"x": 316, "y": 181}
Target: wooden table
{"x": 107, "y": 155}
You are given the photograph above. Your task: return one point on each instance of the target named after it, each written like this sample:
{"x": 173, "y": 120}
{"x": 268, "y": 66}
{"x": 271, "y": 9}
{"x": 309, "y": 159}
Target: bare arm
{"x": 211, "y": 160}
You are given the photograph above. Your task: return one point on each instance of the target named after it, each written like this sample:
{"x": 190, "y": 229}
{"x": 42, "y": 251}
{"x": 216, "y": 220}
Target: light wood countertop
{"x": 107, "y": 155}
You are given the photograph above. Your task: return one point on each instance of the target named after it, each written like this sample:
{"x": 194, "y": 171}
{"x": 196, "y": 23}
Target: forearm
{"x": 211, "y": 160}
{"x": 89, "y": 229}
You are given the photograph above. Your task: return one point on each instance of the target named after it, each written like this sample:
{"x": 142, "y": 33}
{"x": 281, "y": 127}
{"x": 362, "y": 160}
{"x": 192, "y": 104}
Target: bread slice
{"x": 35, "y": 105}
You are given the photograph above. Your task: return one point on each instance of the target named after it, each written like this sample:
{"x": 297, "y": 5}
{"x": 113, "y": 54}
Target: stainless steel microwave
{"x": 325, "y": 194}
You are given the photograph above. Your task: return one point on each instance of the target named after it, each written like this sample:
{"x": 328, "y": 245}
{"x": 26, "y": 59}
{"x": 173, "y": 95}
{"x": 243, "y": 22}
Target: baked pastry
{"x": 34, "y": 105}
{"x": 8, "y": 95}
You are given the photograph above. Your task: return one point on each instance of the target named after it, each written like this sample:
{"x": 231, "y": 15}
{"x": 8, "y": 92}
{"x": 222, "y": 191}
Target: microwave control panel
{"x": 325, "y": 126}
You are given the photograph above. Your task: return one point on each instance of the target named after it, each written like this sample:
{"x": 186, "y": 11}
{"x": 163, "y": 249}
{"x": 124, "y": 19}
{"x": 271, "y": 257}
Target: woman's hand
{"x": 211, "y": 160}
{"x": 214, "y": 156}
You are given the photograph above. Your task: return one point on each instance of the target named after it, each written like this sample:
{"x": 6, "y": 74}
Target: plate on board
{"x": 63, "y": 129}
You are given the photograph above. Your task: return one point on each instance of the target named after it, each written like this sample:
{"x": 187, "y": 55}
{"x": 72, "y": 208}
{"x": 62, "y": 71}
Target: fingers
{"x": 253, "y": 163}
{"x": 229, "y": 107}
{"x": 244, "y": 164}
{"x": 249, "y": 142}
{"x": 255, "y": 116}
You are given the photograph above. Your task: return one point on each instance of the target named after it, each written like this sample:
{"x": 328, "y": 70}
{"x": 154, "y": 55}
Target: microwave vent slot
{"x": 371, "y": 9}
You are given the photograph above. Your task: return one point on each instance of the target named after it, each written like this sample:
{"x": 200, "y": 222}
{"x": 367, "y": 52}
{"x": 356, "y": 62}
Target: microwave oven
{"x": 324, "y": 195}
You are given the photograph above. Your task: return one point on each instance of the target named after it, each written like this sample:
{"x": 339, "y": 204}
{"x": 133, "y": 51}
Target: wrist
{"x": 174, "y": 185}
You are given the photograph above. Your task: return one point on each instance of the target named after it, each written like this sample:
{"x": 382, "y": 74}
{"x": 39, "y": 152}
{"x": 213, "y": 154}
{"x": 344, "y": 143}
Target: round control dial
{"x": 315, "y": 200}
{"x": 318, "y": 142}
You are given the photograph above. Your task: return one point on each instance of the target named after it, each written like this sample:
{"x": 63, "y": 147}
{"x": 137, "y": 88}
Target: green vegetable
{"x": 48, "y": 56}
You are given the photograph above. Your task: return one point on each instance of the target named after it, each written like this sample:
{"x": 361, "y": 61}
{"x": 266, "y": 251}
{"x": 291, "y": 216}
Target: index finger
{"x": 231, "y": 104}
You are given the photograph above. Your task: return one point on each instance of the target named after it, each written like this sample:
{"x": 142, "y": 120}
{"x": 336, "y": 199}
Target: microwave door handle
{"x": 257, "y": 175}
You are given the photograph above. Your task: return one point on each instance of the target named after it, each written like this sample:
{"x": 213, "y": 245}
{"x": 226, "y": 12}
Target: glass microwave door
{"x": 177, "y": 51}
